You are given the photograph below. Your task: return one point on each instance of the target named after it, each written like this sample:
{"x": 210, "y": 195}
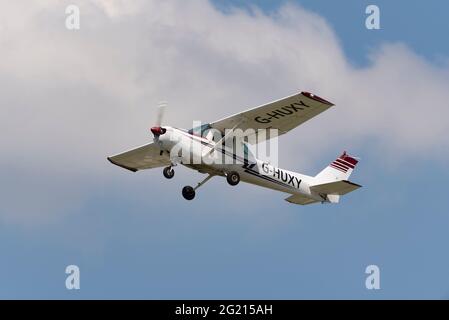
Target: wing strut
{"x": 224, "y": 138}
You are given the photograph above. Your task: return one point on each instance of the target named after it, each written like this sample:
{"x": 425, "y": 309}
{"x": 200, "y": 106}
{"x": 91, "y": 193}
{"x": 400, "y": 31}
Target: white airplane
{"x": 172, "y": 146}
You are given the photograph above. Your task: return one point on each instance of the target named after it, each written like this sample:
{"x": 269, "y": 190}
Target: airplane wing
{"x": 284, "y": 115}
{"x": 144, "y": 157}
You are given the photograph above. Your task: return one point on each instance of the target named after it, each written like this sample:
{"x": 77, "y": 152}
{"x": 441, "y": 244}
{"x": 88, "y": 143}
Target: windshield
{"x": 199, "y": 130}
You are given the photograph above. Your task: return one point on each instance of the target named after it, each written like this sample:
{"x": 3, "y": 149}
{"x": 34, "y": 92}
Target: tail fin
{"x": 340, "y": 169}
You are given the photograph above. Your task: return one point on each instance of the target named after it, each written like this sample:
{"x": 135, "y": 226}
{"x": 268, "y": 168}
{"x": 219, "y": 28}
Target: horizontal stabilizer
{"x": 336, "y": 188}
{"x": 298, "y": 199}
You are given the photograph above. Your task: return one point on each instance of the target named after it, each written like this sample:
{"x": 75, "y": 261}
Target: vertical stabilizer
{"x": 340, "y": 169}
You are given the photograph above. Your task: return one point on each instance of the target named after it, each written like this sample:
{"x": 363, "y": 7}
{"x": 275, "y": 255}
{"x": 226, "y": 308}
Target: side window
{"x": 245, "y": 150}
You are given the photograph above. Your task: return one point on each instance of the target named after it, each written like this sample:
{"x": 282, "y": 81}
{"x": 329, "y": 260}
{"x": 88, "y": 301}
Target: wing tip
{"x": 316, "y": 98}
{"x": 121, "y": 165}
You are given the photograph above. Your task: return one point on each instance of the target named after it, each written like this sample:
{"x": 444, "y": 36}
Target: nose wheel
{"x": 168, "y": 172}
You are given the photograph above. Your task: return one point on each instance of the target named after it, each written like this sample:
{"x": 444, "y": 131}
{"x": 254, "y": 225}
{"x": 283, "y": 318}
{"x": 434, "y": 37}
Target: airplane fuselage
{"x": 198, "y": 153}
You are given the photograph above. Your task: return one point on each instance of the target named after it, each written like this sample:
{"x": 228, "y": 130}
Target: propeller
{"x": 157, "y": 130}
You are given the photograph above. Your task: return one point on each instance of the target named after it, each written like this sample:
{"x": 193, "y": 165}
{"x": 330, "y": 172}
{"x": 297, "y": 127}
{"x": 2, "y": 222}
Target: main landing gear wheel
{"x": 188, "y": 193}
{"x": 233, "y": 178}
{"x": 169, "y": 172}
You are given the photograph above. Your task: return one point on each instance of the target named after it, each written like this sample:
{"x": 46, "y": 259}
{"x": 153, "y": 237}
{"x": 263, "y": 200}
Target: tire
{"x": 188, "y": 193}
{"x": 233, "y": 178}
{"x": 168, "y": 172}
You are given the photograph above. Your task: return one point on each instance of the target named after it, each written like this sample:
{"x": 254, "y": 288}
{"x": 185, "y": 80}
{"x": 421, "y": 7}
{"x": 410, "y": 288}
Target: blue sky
{"x": 414, "y": 23}
{"x": 133, "y": 236}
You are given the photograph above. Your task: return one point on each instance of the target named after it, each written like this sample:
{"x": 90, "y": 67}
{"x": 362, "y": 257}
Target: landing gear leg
{"x": 188, "y": 192}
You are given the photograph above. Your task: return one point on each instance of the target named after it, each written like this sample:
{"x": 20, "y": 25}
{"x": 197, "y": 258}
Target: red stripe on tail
{"x": 349, "y": 159}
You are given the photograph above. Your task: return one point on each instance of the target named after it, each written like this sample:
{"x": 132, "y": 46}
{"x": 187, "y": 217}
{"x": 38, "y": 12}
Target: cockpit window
{"x": 199, "y": 130}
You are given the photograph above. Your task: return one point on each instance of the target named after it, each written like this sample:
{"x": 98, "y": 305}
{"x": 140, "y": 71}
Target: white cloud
{"x": 69, "y": 98}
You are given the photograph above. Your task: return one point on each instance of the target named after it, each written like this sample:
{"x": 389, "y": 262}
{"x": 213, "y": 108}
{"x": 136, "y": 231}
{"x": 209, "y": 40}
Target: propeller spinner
{"x": 157, "y": 131}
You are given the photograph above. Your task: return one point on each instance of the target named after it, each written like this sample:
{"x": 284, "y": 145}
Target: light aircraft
{"x": 172, "y": 146}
